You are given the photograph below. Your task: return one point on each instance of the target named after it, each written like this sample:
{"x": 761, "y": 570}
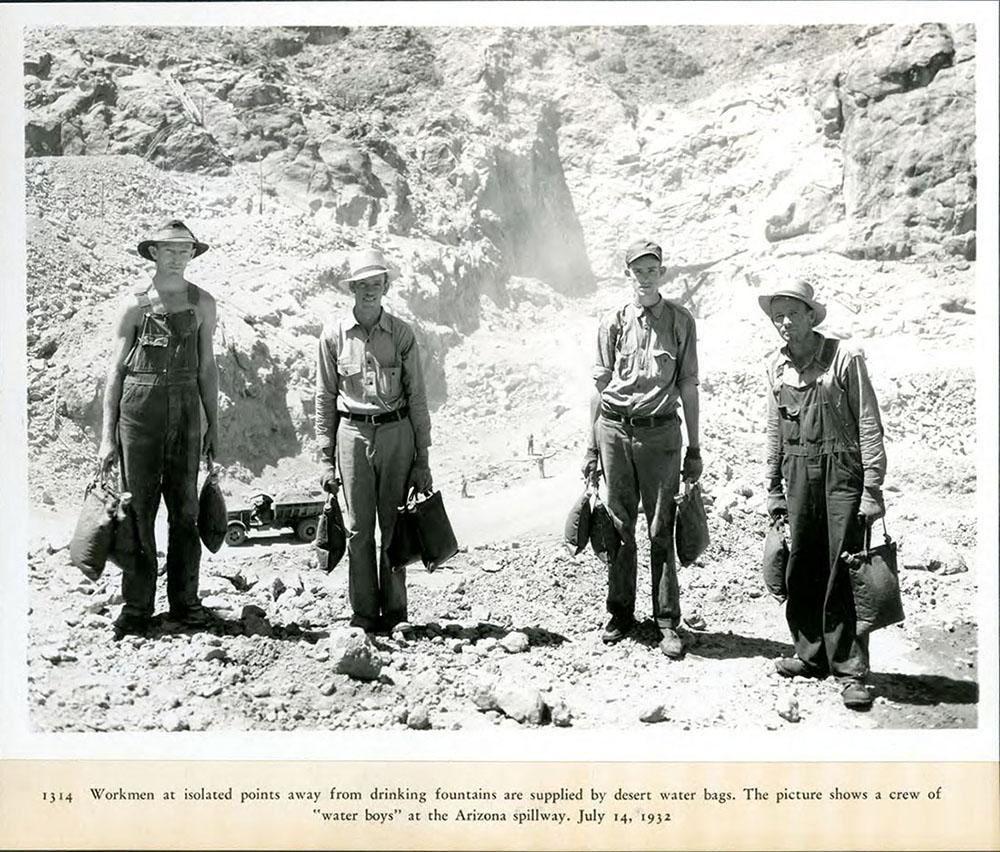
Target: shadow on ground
{"x": 925, "y": 689}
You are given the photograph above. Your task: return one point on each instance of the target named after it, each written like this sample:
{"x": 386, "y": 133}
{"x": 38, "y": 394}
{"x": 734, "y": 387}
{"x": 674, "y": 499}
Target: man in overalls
{"x": 825, "y": 467}
{"x": 647, "y": 361}
{"x": 162, "y": 373}
{"x": 372, "y": 422}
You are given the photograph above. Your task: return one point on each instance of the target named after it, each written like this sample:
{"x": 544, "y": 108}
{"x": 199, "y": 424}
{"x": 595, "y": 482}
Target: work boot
{"x": 794, "y": 667}
{"x": 617, "y": 629}
{"x": 130, "y": 625}
{"x": 671, "y": 644}
{"x": 856, "y": 696}
{"x": 367, "y": 624}
{"x": 192, "y": 616}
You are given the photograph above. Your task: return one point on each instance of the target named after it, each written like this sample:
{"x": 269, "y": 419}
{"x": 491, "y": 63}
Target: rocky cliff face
{"x": 474, "y": 158}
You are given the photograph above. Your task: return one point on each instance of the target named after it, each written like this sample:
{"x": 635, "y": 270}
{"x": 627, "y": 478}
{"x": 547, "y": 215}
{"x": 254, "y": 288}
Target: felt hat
{"x": 172, "y": 231}
{"x": 800, "y": 290}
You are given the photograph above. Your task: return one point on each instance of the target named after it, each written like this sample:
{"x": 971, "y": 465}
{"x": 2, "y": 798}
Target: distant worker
{"x": 372, "y": 422}
{"x": 465, "y": 488}
{"x": 531, "y": 444}
{"x": 647, "y": 361}
{"x": 540, "y": 461}
{"x": 825, "y": 466}
{"x": 162, "y": 373}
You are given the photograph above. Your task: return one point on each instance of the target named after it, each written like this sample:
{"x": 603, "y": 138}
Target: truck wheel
{"x": 306, "y": 530}
{"x": 236, "y": 534}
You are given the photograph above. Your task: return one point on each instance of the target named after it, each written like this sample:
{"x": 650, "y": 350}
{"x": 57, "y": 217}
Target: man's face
{"x": 172, "y": 258}
{"x": 645, "y": 273}
{"x": 792, "y": 318}
{"x": 368, "y": 292}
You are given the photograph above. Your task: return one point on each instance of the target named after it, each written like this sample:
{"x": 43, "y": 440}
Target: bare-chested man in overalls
{"x": 162, "y": 373}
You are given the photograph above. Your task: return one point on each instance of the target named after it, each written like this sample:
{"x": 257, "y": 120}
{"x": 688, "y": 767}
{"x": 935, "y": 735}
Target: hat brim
{"x": 366, "y": 273}
{"x": 819, "y": 311}
{"x": 649, "y": 253}
{"x": 144, "y": 246}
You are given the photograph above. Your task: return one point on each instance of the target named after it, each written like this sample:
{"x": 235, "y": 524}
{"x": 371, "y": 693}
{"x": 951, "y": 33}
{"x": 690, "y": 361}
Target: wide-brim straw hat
{"x": 800, "y": 290}
{"x": 172, "y": 231}
{"x": 365, "y": 264}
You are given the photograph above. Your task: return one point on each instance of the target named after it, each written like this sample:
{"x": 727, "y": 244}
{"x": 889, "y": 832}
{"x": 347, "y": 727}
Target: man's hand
{"x": 872, "y": 505}
{"x": 210, "y": 443}
{"x": 777, "y": 505}
{"x": 692, "y": 468}
{"x": 107, "y": 453}
{"x": 328, "y": 481}
{"x": 420, "y": 477}
{"x": 591, "y": 465}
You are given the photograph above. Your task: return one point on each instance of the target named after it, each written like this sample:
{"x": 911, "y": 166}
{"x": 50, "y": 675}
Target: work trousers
{"x": 824, "y": 493}
{"x": 159, "y": 431}
{"x": 375, "y": 463}
{"x": 642, "y": 462}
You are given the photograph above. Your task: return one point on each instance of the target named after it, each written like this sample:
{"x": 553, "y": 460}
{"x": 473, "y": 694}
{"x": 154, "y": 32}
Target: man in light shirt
{"x": 372, "y": 423}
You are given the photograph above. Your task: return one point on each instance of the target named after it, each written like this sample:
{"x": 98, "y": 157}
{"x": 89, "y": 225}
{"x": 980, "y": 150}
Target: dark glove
{"x": 591, "y": 465}
{"x": 777, "y": 505}
{"x": 328, "y": 481}
{"x": 872, "y": 505}
{"x": 691, "y": 471}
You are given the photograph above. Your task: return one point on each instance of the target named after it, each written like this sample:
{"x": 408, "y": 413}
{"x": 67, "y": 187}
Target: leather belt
{"x": 646, "y": 422}
{"x": 376, "y": 419}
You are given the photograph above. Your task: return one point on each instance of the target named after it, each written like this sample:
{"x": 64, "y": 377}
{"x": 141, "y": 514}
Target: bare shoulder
{"x": 205, "y": 307}
{"x": 128, "y": 313}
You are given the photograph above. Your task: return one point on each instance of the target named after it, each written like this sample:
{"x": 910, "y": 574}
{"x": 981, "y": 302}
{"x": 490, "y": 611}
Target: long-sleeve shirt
{"x": 859, "y": 416}
{"x": 368, "y": 374}
{"x": 644, "y": 357}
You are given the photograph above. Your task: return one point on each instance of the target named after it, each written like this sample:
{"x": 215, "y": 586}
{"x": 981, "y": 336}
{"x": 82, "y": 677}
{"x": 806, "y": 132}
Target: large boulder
{"x": 908, "y": 136}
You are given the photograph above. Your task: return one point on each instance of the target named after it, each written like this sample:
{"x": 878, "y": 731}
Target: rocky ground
{"x": 502, "y": 176}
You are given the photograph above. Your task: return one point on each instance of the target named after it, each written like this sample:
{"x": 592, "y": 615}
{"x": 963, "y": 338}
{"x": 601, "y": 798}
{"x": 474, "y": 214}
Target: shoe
{"x": 856, "y": 696}
{"x": 671, "y": 644}
{"x": 367, "y": 624}
{"x": 794, "y": 667}
{"x": 130, "y": 625}
{"x": 192, "y": 616}
{"x": 617, "y": 629}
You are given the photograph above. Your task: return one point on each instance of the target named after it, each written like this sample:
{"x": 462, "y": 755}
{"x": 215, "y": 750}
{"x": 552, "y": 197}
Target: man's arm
{"x": 416, "y": 400}
{"x": 776, "y": 502}
{"x": 687, "y": 388}
{"x": 208, "y": 375}
{"x": 124, "y": 338}
{"x": 327, "y": 418}
{"x": 862, "y": 401}
{"x": 603, "y": 369}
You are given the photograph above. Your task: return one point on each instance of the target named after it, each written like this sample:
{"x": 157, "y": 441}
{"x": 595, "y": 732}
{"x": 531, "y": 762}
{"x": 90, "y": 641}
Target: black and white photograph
{"x": 399, "y": 385}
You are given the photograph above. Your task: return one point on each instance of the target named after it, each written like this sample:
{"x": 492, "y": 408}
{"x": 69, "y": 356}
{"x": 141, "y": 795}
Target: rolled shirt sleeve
{"x": 327, "y": 387}
{"x": 604, "y": 363}
{"x": 414, "y": 389}
{"x": 687, "y": 369}
{"x": 861, "y": 398}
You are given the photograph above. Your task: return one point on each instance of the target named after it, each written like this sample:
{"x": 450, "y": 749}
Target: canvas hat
{"x": 172, "y": 231}
{"x": 797, "y": 290}
{"x": 642, "y": 248}
{"x": 364, "y": 264}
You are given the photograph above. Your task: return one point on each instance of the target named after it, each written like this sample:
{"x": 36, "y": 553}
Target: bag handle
{"x": 868, "y": 535}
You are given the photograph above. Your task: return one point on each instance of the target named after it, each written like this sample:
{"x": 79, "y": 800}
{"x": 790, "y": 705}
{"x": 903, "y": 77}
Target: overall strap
{"x": 193, "y": 294}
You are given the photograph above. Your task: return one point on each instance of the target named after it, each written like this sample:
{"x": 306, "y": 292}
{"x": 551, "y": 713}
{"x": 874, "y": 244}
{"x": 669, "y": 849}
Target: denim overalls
{"x": 159, "y": 431}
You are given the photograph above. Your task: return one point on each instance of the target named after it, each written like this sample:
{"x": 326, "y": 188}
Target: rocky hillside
{"x": 503, "y": 171}
{"x": 471, "y": 156}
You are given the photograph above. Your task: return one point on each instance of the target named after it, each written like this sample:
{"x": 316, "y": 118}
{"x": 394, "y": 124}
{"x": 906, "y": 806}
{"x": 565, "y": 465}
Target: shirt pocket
{"x": 389, "y": 383}
{"x": 626, "y": 355}
{"x": 349, "y": 376}
{"x": 663, "y": 362}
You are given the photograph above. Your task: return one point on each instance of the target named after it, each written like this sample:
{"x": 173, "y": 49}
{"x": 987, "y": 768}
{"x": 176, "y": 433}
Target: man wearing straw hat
{"x": 162, "y": 373}
{"x": 372, "y": 423}
{"x": 825, "y": 467}
{"x": 647, "y": 362}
